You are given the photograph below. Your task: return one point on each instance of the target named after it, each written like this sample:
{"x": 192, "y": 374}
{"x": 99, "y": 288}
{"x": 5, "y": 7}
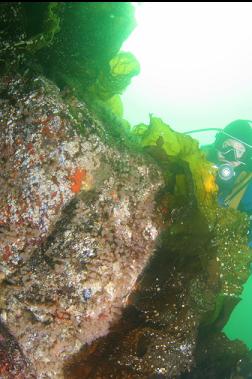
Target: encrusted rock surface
{"x": 78, "y": 223}
{"x": 13, "y": 363}
{"x": 155, "y": 338}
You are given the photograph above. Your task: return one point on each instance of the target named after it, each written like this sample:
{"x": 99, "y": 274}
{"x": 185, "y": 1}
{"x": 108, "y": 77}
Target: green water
{"x": 239, "y": 325}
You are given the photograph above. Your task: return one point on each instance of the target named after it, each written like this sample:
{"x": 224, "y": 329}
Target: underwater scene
{"x": 125, "y": 194}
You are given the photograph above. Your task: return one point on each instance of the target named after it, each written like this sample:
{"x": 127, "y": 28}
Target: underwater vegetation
{"x": 76, "y": 45}
{"x": 115, "y": 259}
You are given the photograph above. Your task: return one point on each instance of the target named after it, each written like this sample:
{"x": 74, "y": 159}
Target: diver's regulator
{"x": 226, "y": 172}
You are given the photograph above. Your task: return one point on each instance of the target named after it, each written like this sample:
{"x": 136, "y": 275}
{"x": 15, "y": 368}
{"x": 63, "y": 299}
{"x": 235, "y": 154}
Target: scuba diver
{"x": 232, "y": 154}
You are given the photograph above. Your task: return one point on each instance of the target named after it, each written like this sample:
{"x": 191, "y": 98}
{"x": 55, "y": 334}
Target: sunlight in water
{"x": 196, "y": 61}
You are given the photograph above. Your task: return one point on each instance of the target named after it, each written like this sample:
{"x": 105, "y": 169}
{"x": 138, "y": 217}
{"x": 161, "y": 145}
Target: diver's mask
{"x": 232, "y": 154}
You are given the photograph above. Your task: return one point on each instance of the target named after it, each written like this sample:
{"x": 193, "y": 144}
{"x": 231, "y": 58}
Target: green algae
{"x": 91, "y": 35}
{"x": 50, "y": 25}
{"x": 75, "y": 44}
{"x": 181, "y": 147}
{"x": 223, "y": 253}
{"x": 116, "y": 77}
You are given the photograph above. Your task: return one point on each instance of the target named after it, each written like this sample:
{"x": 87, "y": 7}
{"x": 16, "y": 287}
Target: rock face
{"x": 13, "y": 363}
{"x": 156, "y": 336}
{"x": 78, "y": 223}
